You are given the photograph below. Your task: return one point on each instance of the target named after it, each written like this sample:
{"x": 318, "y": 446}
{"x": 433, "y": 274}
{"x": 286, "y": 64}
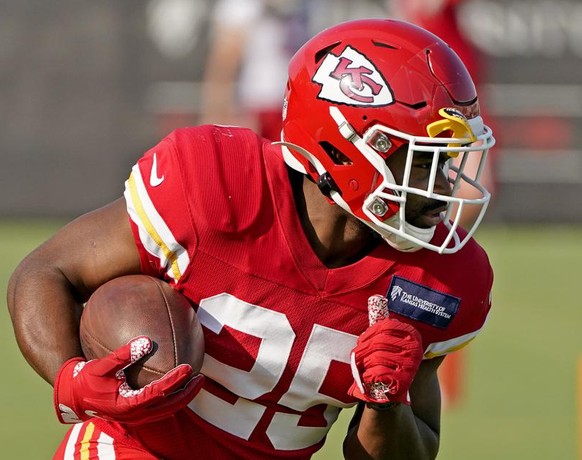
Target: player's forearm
{"x": 392, "y": 434}
{"x": 45, "y": 316}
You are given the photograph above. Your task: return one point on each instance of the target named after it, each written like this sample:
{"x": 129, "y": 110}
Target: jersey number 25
{"x": 274, "y": 330}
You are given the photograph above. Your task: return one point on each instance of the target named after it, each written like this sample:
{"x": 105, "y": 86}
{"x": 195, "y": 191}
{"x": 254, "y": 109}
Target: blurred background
{"x": 87, "y": 87}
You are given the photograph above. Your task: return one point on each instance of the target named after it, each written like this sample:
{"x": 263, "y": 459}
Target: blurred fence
{"x": 86, "y": 87}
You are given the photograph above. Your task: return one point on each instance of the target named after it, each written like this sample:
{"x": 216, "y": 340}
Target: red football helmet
{"x": 360, "y": 90}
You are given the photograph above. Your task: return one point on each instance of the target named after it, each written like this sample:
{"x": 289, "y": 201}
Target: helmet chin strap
{"x": 405, "y": 244}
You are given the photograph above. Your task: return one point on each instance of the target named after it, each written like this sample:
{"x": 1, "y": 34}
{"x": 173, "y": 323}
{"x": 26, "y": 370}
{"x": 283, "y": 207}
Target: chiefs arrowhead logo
{"x": 352, "y": 79}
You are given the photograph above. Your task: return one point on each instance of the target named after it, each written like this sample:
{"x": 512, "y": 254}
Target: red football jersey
{"x": 213, "y": 213}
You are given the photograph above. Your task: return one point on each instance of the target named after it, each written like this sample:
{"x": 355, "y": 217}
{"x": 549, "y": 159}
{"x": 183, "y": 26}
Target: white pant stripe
{"x": 105, "y": 448}
{"x": 72, "y": 441}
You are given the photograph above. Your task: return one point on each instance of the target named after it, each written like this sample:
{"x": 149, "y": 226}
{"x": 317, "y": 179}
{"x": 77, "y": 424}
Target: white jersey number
{"x": 277, "y": 339}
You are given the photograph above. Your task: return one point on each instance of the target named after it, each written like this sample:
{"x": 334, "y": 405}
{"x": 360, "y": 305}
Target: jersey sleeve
{"x": 474, "y": 309}
{"x": 159, "y": 215}
{"x": 200, "y": 187}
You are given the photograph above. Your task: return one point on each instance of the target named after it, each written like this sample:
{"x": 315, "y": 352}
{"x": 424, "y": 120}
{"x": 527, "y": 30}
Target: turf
{"x": 520, "y": 390}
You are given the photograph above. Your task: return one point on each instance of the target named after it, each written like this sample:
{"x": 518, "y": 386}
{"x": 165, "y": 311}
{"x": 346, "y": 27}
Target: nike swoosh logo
{"x": 155, "y": 180}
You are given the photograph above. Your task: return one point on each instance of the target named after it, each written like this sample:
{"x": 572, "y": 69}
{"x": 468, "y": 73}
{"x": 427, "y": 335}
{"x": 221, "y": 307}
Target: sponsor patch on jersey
{"x": 421, "y": 303}
{"x": 352, "y": 79}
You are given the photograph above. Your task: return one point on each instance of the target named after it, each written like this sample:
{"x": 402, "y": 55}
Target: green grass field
{"x": 520, "y": 390}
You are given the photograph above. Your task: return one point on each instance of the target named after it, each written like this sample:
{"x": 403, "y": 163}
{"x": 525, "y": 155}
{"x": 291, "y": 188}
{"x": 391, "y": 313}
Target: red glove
{"x": 97, "y": 388}
{"x": 386, "y": 357}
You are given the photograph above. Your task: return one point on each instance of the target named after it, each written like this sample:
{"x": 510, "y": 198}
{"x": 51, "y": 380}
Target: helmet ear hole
{"x": 335, "y": 154}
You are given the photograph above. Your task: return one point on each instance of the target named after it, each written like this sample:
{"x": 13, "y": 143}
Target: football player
{"x": 325, "y": 268}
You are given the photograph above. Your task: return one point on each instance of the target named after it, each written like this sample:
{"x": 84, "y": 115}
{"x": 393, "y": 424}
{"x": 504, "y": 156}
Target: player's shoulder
{"x": 216, "y": 139}
{"x": 230, "y": 131}
{"x": 473, "y": 273}
{"x": 216, "y": 157}
{"x": 223, "y": 173}
{"x": 196, "y": 154}
{"x": 471, "y": 254}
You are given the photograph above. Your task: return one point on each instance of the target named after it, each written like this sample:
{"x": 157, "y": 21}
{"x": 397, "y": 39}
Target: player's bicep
{"x": 93, "y": 248}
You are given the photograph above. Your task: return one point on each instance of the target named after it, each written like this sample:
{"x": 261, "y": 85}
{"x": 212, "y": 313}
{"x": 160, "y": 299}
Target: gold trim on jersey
{"x": 448, "y": 346}
{"x": 154, "y": 234}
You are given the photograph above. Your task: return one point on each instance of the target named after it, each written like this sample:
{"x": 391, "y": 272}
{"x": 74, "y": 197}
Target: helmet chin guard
{"x": 352, "y": 101}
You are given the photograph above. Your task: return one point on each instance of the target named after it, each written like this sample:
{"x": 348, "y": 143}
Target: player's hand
{"x": 386, "y": 358}
{"x": 97, "y": 388}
